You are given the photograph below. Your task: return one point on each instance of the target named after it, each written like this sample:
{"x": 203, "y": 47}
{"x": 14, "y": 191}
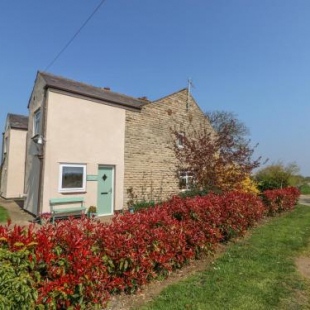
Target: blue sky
{"x": 251, "y": 57}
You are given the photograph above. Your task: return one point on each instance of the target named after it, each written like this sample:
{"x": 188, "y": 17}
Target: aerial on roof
{"x": 83, "y": 89}
{"x": 18, "y": 121}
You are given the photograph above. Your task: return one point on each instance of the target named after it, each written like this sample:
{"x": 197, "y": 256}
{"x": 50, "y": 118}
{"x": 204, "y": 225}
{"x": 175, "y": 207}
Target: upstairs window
{"x": 5, "y": 145}
{"x": 180, "y": 140}
{"x": 72, "y": 178}
{"x": 36, "y": 122}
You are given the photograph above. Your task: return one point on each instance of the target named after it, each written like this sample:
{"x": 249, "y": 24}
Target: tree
{"x": 218, "y": 159}
{"x": 237, "y": 129}
{"x": 276, "y": 175}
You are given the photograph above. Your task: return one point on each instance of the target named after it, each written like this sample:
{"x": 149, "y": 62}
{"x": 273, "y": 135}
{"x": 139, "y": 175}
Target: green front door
{"x": 105, "y": 190}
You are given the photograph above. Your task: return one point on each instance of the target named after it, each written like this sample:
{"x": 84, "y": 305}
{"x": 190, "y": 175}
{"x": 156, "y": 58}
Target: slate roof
{"x": 60, "y": 83}
{"x": 18, "y": 121}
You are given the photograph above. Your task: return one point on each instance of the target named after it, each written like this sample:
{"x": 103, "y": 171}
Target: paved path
{"x": 17, "y": 214}
{"x": 304, "y": 200}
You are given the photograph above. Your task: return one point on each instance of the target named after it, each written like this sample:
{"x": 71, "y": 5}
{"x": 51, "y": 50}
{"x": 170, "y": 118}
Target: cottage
{"x": 13, "y": 156}
{"x": 90, "y": 146}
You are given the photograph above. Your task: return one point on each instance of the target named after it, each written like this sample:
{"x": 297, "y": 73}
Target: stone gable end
{"x": 150, "y": 163}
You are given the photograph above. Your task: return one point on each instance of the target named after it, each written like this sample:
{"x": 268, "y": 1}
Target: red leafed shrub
{"x": 239, "y": 211}
{"x": 148, "y": 243}
{"x": 200, "y": 218}
{"x": 279, "y": 200}
{"x": 69, "y": 258}
{"x": 15, "y": 237}
{"x": 78, "y": 263}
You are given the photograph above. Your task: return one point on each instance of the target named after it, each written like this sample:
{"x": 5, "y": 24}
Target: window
{"x": 5, "y": 145}
{"x": 72, "y": 178}
{"x": 185, "y": 180}
{"x": 36, "y": 122}
{"x": 180, "y": 140}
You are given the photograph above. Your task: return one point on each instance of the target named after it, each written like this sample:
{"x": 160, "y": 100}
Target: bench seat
{"x": 58, "y": 211}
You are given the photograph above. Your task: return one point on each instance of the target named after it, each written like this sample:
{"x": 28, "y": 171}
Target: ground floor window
{"x": 185, "y": 180}
{"x": 72, "y": 178}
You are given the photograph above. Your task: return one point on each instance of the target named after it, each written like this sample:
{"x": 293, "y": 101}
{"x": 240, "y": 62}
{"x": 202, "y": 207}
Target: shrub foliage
{"x": 77, "y": 264}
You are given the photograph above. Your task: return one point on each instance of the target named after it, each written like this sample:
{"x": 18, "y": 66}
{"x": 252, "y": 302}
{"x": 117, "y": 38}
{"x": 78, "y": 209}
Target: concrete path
{"x": 304, "y": 200}
{"x": 16, "y": 213}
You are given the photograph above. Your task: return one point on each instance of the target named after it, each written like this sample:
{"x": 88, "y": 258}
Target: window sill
{"x": 73, "y": 191}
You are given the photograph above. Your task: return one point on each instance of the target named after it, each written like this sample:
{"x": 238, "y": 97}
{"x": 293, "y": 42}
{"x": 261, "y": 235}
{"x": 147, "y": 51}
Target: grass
{"x": 4, "y": 215}
{"x": 257, "y": 272}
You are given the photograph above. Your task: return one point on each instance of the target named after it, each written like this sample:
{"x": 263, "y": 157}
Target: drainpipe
{"x": 2, "y": 149}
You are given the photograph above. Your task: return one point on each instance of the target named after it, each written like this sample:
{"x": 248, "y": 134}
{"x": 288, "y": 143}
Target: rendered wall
{"x": 80, "y": 131}
{"x": 15, "y": 164}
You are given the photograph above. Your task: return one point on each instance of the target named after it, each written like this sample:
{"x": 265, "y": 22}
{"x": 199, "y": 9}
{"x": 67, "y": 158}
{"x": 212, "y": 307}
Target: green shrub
{"x": 17, "y": 289}
{"x": 143, "y": 205}
{"x": 270, "y": 185}
{"x": 193, "y": 193}
{"x": 305, "y": 189}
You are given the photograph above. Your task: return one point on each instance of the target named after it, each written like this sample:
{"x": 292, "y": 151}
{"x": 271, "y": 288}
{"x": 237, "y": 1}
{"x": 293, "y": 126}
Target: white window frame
{"x": 36, "y": 122}
{"x": 72, "y": 189}
{"x": 187, "y": 176}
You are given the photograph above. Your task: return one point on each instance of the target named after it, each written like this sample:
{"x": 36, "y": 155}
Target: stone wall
{"x": 150, "y": 164}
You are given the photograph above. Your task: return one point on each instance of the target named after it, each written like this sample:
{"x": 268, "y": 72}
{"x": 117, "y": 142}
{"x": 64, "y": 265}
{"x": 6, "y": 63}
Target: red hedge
{"x": 81, "y": 262}
{"x": 279, "y": 200}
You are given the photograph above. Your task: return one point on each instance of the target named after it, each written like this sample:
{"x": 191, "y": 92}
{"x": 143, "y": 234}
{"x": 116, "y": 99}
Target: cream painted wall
{"x": 80, "y": 131}
{"x": 16, "y": 164}
{"x": 14, "y": 167}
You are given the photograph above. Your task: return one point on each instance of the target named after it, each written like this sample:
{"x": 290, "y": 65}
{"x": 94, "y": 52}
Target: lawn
{"x": 256, "y": 272}
{"x": 3, "y": 215}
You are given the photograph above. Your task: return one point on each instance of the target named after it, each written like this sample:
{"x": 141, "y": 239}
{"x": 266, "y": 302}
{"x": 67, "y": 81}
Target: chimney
{"x": 144, "y": 98}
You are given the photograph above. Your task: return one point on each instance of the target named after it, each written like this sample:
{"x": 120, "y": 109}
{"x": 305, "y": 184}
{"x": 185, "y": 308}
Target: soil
{"x": 303, "y": 266}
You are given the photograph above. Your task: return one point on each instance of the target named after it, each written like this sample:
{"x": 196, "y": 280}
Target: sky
{"x": 249, "y": 57}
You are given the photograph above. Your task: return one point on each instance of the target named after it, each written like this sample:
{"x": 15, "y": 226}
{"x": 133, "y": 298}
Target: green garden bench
{"x": 58, "y": 210}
